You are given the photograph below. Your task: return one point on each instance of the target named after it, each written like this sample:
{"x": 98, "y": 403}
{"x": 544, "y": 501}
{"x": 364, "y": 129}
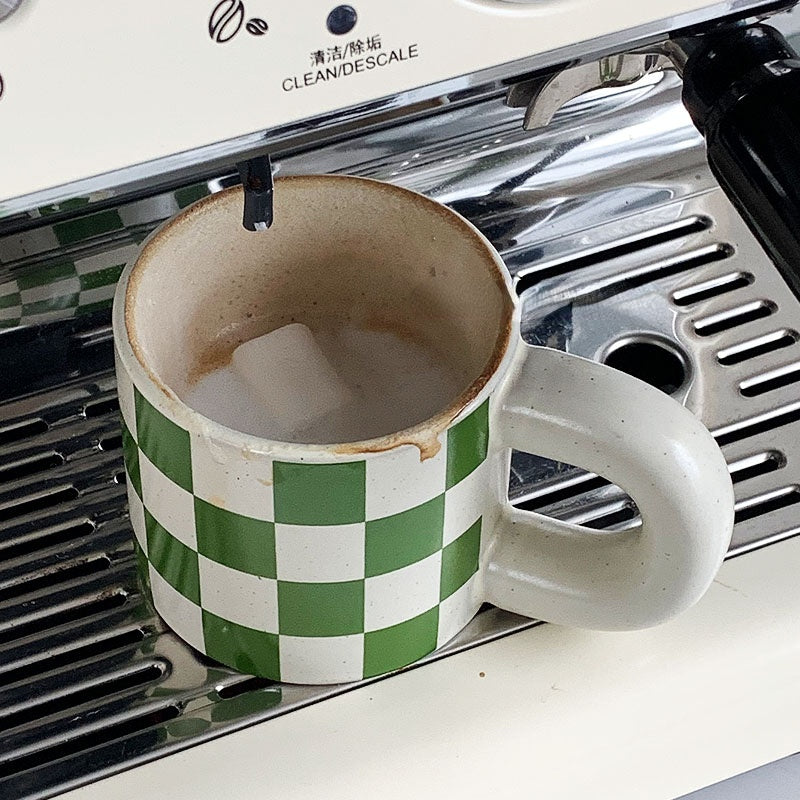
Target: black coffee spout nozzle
{"x": 256, "y": 175}
{"x": 741, "y": 86}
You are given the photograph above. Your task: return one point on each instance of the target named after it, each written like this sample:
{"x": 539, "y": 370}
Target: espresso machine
{"x": 636, "y": 165}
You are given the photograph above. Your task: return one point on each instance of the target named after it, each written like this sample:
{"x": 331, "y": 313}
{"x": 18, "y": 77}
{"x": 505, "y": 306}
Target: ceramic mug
{"x": 325, "y": 563}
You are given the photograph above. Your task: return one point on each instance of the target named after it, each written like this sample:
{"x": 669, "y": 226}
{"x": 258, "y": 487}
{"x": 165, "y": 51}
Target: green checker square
{"x": 460, "y": 560}
{"x": 100, "y": 277}
{"x": 87, "y": 227}
{"x": 166, "y": 444}
{"x": 320, "y": 609}
{"x": 239, "y": 542}
{"x": 65, "y": 205}
{"x": 405, "y": 538}
{"x": 391, "y": 648}
{"x": 43, "y": 276}
{"x": 90, "y": 308}
{"x": 248, "y": 650}
{"x": 467, "y": 443}
{"x": 173, "y": 560}
{"x": 319, "y": 494}
{"x": 11, "y": 300}
{"x": 189, "y": 194}
{"x": 130, "y": 453}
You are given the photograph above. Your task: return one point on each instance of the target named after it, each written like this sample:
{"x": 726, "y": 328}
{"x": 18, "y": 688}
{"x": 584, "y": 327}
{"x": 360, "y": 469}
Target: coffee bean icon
{"x": 226, "y": 20}
{"x": 257, "y": 26}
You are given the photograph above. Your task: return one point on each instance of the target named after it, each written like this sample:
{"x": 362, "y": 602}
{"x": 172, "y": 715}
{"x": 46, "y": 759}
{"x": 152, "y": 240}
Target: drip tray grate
{"x": 92, "y": 682}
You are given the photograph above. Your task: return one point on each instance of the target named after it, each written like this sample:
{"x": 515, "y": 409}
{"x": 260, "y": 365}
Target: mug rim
{"x": 424, "y": 435}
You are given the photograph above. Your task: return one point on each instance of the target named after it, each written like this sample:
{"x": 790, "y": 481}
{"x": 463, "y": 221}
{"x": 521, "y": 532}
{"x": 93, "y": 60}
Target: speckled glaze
{"x": 329, "y": 563}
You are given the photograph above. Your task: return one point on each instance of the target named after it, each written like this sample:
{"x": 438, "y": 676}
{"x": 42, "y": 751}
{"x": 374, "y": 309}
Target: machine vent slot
{"x": 51, "y": 579}
{"x": 43, "y": 754}
{"x": 759, "y": 346}
{"x": 630, "y": 279}
{"x": 622, "y": 247}
{"x": 37, "y": 502}
{"x": 735, "y": 432}
{"x": 618, "y": 516}
{"x": 575, "y": 485}
{"x": 711, "y": 288}
{"x": 100, "y": 408}
{"x": 66, "y": 656}
{"x": 753, "y": 466}
{"x": 734, "y": 317}
{"x": 242, "y": 687}
{"x": 30, "y": 466}
{"x": 764, "y": 503}
{"x": 777, "y": 379}
{"x": 111, "y": 442}
{"x": 41, "y": 540}
{"x": 30, "y": 624}
{"x": 88, "y": 692}
{"x": 22, "y": 430}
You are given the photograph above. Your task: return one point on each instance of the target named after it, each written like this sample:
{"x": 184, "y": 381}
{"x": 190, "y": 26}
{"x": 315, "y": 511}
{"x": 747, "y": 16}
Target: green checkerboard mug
{"x": 328, "y": 563}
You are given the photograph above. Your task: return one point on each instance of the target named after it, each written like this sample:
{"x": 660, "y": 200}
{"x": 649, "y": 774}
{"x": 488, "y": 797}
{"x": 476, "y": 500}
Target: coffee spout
{"x": 256, "y": 175}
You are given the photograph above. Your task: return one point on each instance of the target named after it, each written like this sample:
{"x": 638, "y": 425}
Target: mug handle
{"x": 568, "y": 408}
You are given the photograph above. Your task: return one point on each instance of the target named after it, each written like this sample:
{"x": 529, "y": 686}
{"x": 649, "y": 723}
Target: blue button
{"x": 342, "y": 20}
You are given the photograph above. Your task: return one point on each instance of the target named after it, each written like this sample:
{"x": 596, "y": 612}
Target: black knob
{"x": 342, "y": 20}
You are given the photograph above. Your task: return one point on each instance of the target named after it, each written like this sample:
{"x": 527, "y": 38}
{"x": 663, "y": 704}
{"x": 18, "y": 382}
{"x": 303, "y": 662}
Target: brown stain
{"x": 379, "y": 323}
{"x": 424, "y": 436}
{"x": 211, "y": 359}
{"x": 217, "y": 500}
{"x": 264, "y": 481}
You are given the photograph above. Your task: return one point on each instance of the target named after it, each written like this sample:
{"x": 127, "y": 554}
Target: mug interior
{"x": 341, "y": 251}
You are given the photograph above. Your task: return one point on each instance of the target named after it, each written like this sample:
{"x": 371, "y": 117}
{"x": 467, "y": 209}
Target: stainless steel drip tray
{"x": 94, "y": 683}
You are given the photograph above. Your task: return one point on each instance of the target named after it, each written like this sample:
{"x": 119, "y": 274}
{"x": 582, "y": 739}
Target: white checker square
{"x": 136, "y": 511}
{"x": 319, "y": 659}
{"x": 458, "y": 609}
{"x": 320, "y": 553}
{"x": 106, "y": 259}
{"x": 12, "y": 312}
{"x": 399, "y": 481}
{"x": 9, "y": 287}
{"x": 51, "y": 291}
{"x": 24, "y": 245}
{"x": 226, "y": 477}
{"x": 149, "y": 210}
{"x": 172, "y": 506}
{"x": 127, "y": 404}
{"x": 466, "y": 501}
{"x": 239, "y": 597}
{"x": 180, "y": 613}
{"x": 403, "y": 594}
{"x": 96, "y": 295}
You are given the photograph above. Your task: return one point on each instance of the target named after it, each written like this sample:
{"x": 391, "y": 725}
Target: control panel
{"x": 88, "y": 87}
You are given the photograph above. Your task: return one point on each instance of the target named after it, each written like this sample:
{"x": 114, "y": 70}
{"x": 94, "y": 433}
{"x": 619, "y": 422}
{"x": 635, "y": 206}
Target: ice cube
{"x": 291, "y": 377}
{"x": 223, "y": 397}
